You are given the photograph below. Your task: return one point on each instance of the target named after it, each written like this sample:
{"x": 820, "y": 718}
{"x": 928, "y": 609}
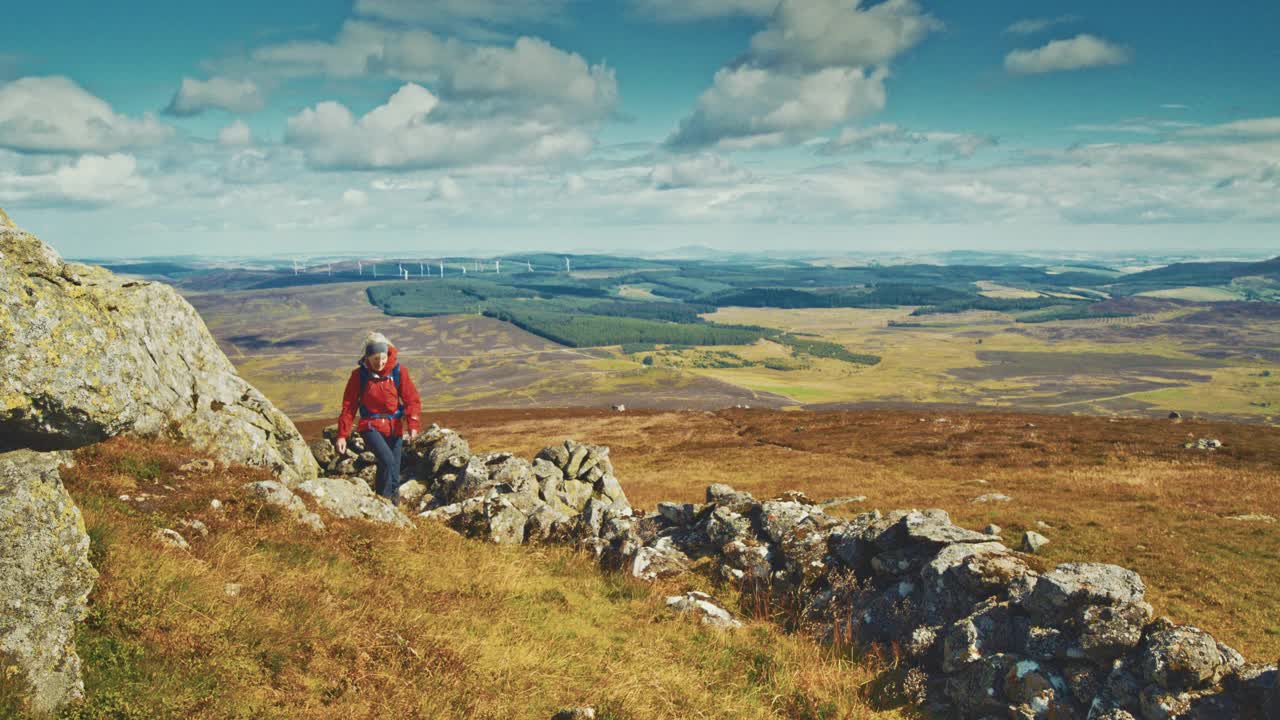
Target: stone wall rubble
{"x": 993, "y": 637}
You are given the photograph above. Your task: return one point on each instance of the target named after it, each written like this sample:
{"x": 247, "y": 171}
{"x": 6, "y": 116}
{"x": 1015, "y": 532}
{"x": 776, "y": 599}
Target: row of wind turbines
{"x": 404, "y": 272}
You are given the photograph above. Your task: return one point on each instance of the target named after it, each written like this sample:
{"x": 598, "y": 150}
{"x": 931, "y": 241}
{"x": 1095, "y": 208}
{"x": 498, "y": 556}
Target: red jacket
{"x": 380, "y": 398}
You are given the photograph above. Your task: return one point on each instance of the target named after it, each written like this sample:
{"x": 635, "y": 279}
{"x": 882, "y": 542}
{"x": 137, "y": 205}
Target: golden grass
{"x": 1122, "y": 491}
{"x": 370, "y": 622}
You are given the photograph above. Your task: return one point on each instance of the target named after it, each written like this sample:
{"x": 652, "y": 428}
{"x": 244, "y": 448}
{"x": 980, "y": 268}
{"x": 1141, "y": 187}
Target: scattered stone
{"x": 705, "y": 608}
{"x": 992, "y": 498}
{"x": 1252, "y": 517}
{"x": 274, "y": 493}
{"x": 1186, "y": 658}
{"x": 1175, "y": 415}
{"x": 1203, "y": 444}
{"x": 171, "y": 538}
{"x": 195, "y": 526}
{"x": 582, "y": 713}
{"x": 1043, "y": 525}
{"x": 231, "y": 589}
{"x": 203, "y": 466}
{"x": 215, "y": 504}
{"x": 619, "y": 408}
{"x": 1032, "y": 541}
{"x": 993, "y": 529}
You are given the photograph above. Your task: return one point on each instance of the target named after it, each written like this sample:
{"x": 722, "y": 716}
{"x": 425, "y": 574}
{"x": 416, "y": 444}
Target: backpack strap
{"x": 365, "y": 377}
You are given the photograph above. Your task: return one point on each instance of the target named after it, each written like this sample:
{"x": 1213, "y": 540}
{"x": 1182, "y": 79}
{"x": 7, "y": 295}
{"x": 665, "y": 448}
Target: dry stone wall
{"x": 987, "y": 636}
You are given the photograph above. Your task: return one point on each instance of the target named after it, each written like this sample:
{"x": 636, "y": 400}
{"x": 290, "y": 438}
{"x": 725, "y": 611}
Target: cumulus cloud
{"x": 1031, "y": 26}
{"x": 529, "y": 72}
{"x": 826, "y": 33}
{"x": 961, "y": 145}
{"x": 405, "y": 133}
{"x": 759, "y": 107}
{"x": 54, "y": 114}
{"x": 237, "y": 133}
{"x": 1081, "y": 51}
{"x": 91, "y": 180}
{"x": 817, "y": 64}
{"x": 693, "y": 10}
{"x": 196, "y": 96}
{"x": 355, "y": 198}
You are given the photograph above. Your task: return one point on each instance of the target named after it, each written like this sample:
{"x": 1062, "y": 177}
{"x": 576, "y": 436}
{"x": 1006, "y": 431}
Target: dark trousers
{"x": 389, "y": 451}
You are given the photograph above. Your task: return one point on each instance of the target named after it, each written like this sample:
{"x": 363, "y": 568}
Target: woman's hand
{"x": 413, "y": 434}
{"x": 341, "y": 445}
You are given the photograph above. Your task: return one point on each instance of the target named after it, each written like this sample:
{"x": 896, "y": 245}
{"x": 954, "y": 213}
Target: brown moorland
{"x": 1117, "y": 490}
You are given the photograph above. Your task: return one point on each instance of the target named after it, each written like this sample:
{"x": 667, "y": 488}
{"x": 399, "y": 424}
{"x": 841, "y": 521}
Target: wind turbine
{"x": 360, "y": 268}
{"x": 405, "y": 273}
{"x": 568, "y": 268}
{"x": 295, "y": 267}
{"x": 528, "y": 266}
{"x": 442, "y": 268}
{"x": 421, "y": 271}
{"x": 497, "y": 265}
{"x": 375, "y": 271}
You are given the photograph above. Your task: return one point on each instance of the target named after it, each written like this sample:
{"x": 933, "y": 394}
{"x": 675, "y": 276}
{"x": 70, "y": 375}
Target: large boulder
{"x": 87, "y": 355}
{"x": 45, "y": 579}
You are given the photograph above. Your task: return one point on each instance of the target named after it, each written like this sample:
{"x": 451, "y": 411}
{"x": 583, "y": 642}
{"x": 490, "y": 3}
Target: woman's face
{"x": 376, "y": 362}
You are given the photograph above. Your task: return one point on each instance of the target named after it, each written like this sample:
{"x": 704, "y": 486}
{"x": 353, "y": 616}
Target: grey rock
{"x": 1033, "y": 541}
{"x": 705, "y": 608}
{"x": 1108, "y": 631}
{"x": 1059, "y": 592}
{"x": 545, "y": 523}
{"x": 725, "y": 526}
{"x": 777, "y": 518}
{"x": 680, "y": 514}
{"x": 1186, "y": 658}
{"x": 274, "y": 493}
{"x": 352, "y": 499}
{"x": 993, "y": 529}
{"x": 844, "y": 500}
{"x": 579, "y": 713}
{"x": 412, "y": 492}
{"x": 722, "y": 495}
{"x": 89, "y": 355}
{"x": 660, "y": 560}
{"x": 506, "y": 523}
{"x": 171, "y": 538}
{"x": 45, "y": 579}
{"x": 992, "y": 498}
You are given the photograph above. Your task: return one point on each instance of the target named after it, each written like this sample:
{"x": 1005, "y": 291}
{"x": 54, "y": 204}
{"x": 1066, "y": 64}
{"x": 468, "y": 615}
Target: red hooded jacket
{"x": 380, "y": 398}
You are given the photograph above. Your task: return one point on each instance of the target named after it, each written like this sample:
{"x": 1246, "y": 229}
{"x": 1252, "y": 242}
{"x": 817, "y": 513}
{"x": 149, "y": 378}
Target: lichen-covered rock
{"x": 352, "y": 499}
{"x": 660, "y": 560}
{"x": 1059, "y": 592}
{"x": 89, "y": 355}
{"x": 45, "y": 579}
{"x": 1186, "y": 658}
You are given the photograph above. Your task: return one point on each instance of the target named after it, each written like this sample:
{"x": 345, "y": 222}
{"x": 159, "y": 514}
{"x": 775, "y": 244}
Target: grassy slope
{"x": 368, "y": 622}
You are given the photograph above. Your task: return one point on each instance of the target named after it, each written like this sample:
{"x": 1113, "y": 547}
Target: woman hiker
{"x": 380, "y": 389}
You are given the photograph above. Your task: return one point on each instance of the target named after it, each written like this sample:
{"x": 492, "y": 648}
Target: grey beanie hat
{"x": 376, "y": 344}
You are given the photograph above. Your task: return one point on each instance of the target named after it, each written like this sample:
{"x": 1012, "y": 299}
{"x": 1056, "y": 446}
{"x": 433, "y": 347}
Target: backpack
{"x": 365, "y": 374}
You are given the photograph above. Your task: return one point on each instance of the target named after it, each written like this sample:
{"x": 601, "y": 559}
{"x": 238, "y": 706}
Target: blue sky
{"x": 136, "y": 128}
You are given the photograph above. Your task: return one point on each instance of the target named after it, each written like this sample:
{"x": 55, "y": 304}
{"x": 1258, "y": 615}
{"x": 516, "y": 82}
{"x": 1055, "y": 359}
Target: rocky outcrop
{"x": 352, "y": 499}
{"x": 45, "y": 579}
{"x": 87, "y": 355}
{"x": 992, "y": 637}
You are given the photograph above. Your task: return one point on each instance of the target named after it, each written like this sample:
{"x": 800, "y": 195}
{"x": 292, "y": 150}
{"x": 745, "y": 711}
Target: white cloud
{"x": 1081, "y": 51}
{"x": 1268, "y": 127}
{"x": 753, "y": 107}
{"x": 447, "y": 189}
{"x": 530, "y": 71}
{"x": 90, "y": 180}
{"x": 701, "y": 170}
{"x": 693, "y": 10}
{"x": 961, "y": 145}
{"x": 852, "y": 139}
{"x": 218, "y": 93}
{"x": 405, "y": 133}
{"x": 237, "y": 133}
{"x": 1174, "y": 106}
{"x": 827, "y": 33}
{"x": 818, "y": 63}
{"x": 355, "y": 198}
{"x": 453, "y": 12}
{"x": 54, "y": 114}
{"x": 1030, "y": 26}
